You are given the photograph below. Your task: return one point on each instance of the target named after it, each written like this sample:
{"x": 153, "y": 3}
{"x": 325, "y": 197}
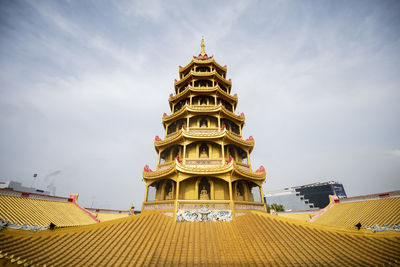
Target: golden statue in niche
{"x": 204, "y": 194}
{"x": 203, "y": 151}
{"x": 169, "y": 196}
{"x": 239, "y": 196}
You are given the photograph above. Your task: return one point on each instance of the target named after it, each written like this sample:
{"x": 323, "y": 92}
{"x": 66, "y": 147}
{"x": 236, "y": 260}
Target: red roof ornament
{"x": 250, "y": 138}
{"x": 225, "y": 66}
{"x": 235, "y": 95}
{"x": 183, "y": 127}
{"x": 147, "y": 168}
{"x": 170, "y": 95}
{"x": 219, "y": 103}
{"x": 261, "y": 169}
{"x": 223, "y": 127}
{"x": 230, "y": 79}
{"x": 175, "y": 80}
{"x": 229, "y": 160}
{"x": 164, "y": 115}
{"x": 216, "y": 84}
{"x": 157, "y": 138}
{"x": 180, "y": 66}
{"x": 187, "y": 103}
{"x": 242, "y": 114}
{"x": 177, "y": 158}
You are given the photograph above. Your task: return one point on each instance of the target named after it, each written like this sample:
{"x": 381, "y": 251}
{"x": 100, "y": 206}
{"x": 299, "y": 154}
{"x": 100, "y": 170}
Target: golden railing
{"x": 159, "y": 205}
{"x": 208, "y": 204}
{"x": 247, "y": 205}
{"x": 243, "y": 166}
{"x": 164, "y": 166}
{"x": 203, "y": 130}
{"x": 205, "y": 162}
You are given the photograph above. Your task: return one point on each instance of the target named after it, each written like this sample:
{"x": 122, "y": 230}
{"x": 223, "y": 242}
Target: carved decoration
{"x": 203, "y": 215}
{"x": 249, "y": 207}
{"x": 147, "y": 168}
{"x": 229, "y": 160}
{"x": 250, "y": 138}
{"x": 261, "y": 169}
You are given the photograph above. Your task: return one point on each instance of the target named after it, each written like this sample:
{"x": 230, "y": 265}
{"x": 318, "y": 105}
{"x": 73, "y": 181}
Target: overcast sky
{"x": 84, "y": 84}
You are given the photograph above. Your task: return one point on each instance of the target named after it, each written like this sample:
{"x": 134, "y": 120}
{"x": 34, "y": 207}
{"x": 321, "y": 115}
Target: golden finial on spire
{"x": 203, "y": 52}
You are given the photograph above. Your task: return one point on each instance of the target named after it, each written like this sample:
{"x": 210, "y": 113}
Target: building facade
{"x": 305, "y": 197}
{"x": 203, "y": 162}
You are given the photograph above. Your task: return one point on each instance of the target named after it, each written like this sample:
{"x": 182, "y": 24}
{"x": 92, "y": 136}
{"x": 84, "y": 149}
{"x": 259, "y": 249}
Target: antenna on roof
{"x": 34, "y": 179}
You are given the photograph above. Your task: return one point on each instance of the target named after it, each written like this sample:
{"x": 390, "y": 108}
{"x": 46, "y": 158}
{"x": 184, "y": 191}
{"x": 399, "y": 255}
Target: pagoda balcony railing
{"x": 203, "y": 130}
{"x": 159, "y": 205}
{"x": 170, "y": 135}
{"x": 203, "y": 162}
{"x": 203, "y": 107}
{"x": 248, "y": 205}
{"x": 235, "y": 134}
{"x": 199, "y": 204}
{"x": 164, "y": 166}
{"x": 243, "y": 166}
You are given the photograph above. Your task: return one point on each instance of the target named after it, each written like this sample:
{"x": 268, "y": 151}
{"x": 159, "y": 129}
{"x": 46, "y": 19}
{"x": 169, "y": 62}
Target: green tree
{"x": 276, "y": 207}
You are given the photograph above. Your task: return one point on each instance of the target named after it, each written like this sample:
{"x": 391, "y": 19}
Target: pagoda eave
{"x": 212, "y": 74}
{"x": 200, "y": 91}
{"x": 173, "y": 168}
{"x": 200, "y": 110}
{"x": 202, "y": 62}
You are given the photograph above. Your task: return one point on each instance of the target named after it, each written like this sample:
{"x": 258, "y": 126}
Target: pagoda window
{"x": 152, "y": 191}
{"x": 177, "y": 151}
{"x": 203, "y": 100}
{"x": 165, "y": 156}
{"x": 204, "y": 189}
{"x": 203, "y": 151}
{"x": 223, "y": 88}
{"x": 243, "y": 156}
{"x": 180, "y": 123}
{"x": 230, "y": 126}
{"x": 231, "y": 152}
{"x": 203, "y": 69}
{"x": 181, "y": 103}
{"x": 255, "y": 193}
{"x": 239, "y": 191}
{"x": 169, "y": 190}
{"x": 203, "y": 83}
{"x": 171, "y": 128}
{"x": 203, "y": 123}
{"x": 178, "y": 106}
{"x": 226, "y": 104}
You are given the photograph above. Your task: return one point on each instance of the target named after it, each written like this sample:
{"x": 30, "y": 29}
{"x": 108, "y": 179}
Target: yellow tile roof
{"x": 105, "y": 216}
{"x": 298, "y": 216}
{"x": 368, "y": 213}
{"x": 154, "y": 239}
{"x": 41, "y": 212}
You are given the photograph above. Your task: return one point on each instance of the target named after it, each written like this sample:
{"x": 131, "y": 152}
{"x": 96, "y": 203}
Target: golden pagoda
{"x": 203, "y": 170}
{"x": 203, "y": 174}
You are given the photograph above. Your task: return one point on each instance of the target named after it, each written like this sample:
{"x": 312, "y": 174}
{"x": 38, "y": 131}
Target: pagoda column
{"x": 232, "y": 204}
{"x": 184, "y": 154}
{"x": 223, "y": 153}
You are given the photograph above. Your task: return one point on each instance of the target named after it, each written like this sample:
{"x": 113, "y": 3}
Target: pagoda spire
{"x": 203, "y": 52}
